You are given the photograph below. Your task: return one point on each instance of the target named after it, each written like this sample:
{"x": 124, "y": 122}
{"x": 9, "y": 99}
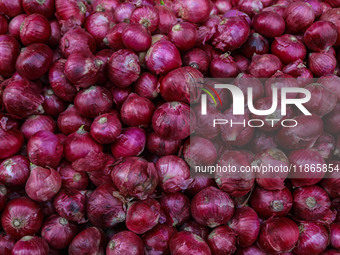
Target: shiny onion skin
{"x": 3, "y": 196}
{"x": 58, "y": 232}
{"x": 9, "y": 51}
{"x": 123, "y": 12}
{"x": 162, "y": 57}
{"x": 264, "y": 66}
{"x": 298, "y": 16}
{"x": 198, "y": 59}
{"x": 142, "y": 216}
{"x": 212, "y": 207}
{"x": 223, "y": 66}
{"x": 310, "y": 203}
{"x": 331, "y": 183}
{"x": 136, "y": 37}
{"x": 98, "y": 24}
{"x": 268, "y": 203}
{"x": 332, "y": 120}
{"x": 321, "y": 63}
{"x": 11, "y": 142}
{"x": 52, "y": 104}
{"x": 222, "y": 240}
{"x": 14, "y": 25}
{"x": 313, "y": 239}
{"x": 6, "y": 244}
{"x": 35, "y": 29}
{"x": 269, "y": 24}
{"x": 113, "y": 37}
{"x": 129, "y": 143}
{"x": 166, "y": 18}
{"x": 147, "y": 86}
{"x": 106, "y": 128}
{"x": 44, "y": 7}
{"x": 193, "y": 11}
{"x": 11, "y": 8}
{"x": 90, "y": 240}
{"x": 183, "y": 35}
{"x": 332, "y": 15}
{"x": 313, "y": 39}
{"x": 70, "y": 13}
{"x": 30, "y": 245}
{"x": 14, "y": 171}
{"x": 332, "y": 83}
{"x": 105, "y": 207}
{"x": 173, "y": 174}
{"x": 185, "y": 242}
{"x": 125, "y": 242}
{"x": 255, "y": 44}
{"x": 147, "y": 16}
{"x": 34, "y": 61}
{"x": 70, "y": 121}
{"x": 335, "y": 235}
{"x": 271, "y": 238}
{"x": 21, "y": 217}
{"x": 71, "y": 178}
{"x": 162, "y": 146}
{"x": 195, "y": 228}
{"x": 103, "y": 55}
{"x": 251, "y": 250}
{"x": 135, "y": 177}
{"x": 246, "y": 225}
{"x": 123, "y": 68}
{"x": 181, "y": 85}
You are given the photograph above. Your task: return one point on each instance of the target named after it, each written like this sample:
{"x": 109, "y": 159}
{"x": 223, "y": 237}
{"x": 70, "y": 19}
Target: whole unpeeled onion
{"x": 269, "y": 24}
{"x": 222, "y": 240}
{"x": 90, "y": 240}
{"x": 298, "y": 17}
{"x": 185, "y": 242}
{"x": 193, "y": 10}
{"x": 30, "y": 245}
{"x": 9, "y": 51}
{"x": 321, "y": 63}
{"x": 125, "y": 242}
{"x": 264, "y": 66}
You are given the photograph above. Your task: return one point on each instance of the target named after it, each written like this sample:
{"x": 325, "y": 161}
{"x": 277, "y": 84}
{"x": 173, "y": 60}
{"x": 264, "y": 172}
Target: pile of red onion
{"x": 100, "y": 125}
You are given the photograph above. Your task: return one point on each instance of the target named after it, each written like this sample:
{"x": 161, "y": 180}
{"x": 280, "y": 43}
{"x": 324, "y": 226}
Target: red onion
{"x": 30, "y": 245}
{"x": 251, "y": 250}
{"x": 70, "y": 121}
{"x": 193, "y": 227}
{"x": 45, "y": 149}
{"x": 14, "y": 171}
{"x": 321, "y": 63}
{"x": 34, "y": 61}
{"x": 181, "y": 85}
{"x": 288, "y": 48}
{"x": 136, "y": 37}
{"x": 135, "y": 177}
{"x": 147, "y": 86}
{"x": 70, "y": 13}
{"x": 59, "y": 83}
{"x": 141, "y": 216}
{"x": 262, "y": 141}
{"x": 162, "y": 57}
{"x": 137, "y": 111}
{"x": 71, "y": 178}
{"x": 186, "y": 242}
{"x": 58, "y": 232}
{"x": 331, "y": 82}
{"x": 123, "y": 12}
{"x": 279, "y": 80}
{"x": 236, "y": 13}
{"x": 194, "y": 11}
{"x": 157, "y": 240}
{"x": 77, "y": 40}
{"x": 244, "y": 81}
{"x": 129, "y": 143}
{"x": 45, "y": 7}
{"x": 222, "y": 39}
{"x": 303, "y": 135}
{"x": 105, "y": 207}
{"x": 123, "y": 68}
{"x": 311, "y": 203}
{"x": 11, "y": 7}
{"x": 90, "y": 240}
{"x": 21, "y": 217}
{"x": 332, "y": 15}
{"x": 105, "y": 5}
{"x": 223, "y": 5}
{"x": 298, "y": 70}
{"x": 212, "y": 207}
{"x": 52, "y": 104}
{"x": 102, "y": 176}
{"x": 335, "y": 3}
{"x": 269, "y": 24}
{"x": 6, "y": 244}
{"x": 93, "y": 101}
{"x": 3, "y": 196}
{"x": 301, "y": 160}
{"x": 164, "y": 124}
{"x": 125, "y": 242}
{"x": 222, "y": 240}
{"x": 242, "y": 62}
{"x": 114, "y": 36}
{"x": 246, "y": 225}
{"x": 119, "y": 95}
{"x": 197, "y": 59}
{"x": 82, "y": 69}
{"x": 106, "y": 128}
{"x": 166, "y": 19}
{"x": 175, "y": 209}
{"x": 10, "y": 142}
{"x": 223, "y": 66}
{"x": 313, "y": 239}
{"x": 35, "y": 29}
{"x": 335, "y": 235}
{"x": 325, "y": 145}
{"x": 271, "y": 238}
{"x": 98, "y": 25}
{"x": 264, "y": 66}
{"x": 268, "y": 203}
{"x": 15, "y": 24}
{"x": 70, "y": 204}
{"x": 146, "y": 16}
{"x": 104, "y": 56}
{"x": 331, "y": 121}
{"x": 255, "y": 44}
{"x": 173, "y": 174}
{"x": 250, "y": 7}
{"x": 199, "y": 183}
{"x": 298, "y": 16}
{"x": 320, "y": 36}
{"x": 3, "y": 24}
{"x": 183, "y": 35}
{"x": 161, "y": 146}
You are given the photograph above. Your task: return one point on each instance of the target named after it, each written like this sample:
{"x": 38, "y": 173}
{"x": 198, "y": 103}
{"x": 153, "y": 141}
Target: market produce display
{"x": 101, "y": 127}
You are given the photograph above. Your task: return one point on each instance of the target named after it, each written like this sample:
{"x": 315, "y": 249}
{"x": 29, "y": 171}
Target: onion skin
{"x": 222, "y": 240}
{"x": 35, "y": 29}
{"x": 188, "y": 243}
{"x": 157, "y": 240}
{"x": 147, "y": 86}
{"x": 271, "y": 239}
{"x": 141, "y": 216}
{"x": 90, "y": 240}
{"x": 183, "y": 35}
{"x": 198, "y": 59}
{"x": 331, "y": 82}
{"x": 30, "y": 245}
{"x": 21, "y": 217}
{"x": 331, "y": 182}
{"x": 314, "y": 41}
{"x": 6, "y": 244}
{"x": 106, "y": 128}
{"x": 147, "y": 16}
{"x": 269, "y": 24}
{"x": 52, "y": 104}
{"x": 45, "y": 149}
{"x": 194, "y": 11}
{"x": 135, "y": 177}
{"x": 310, "y": 203}
{"x": 264, "y": 66}
{"x": 123, "y": 68}
{"x": 123, "y": 12}
{"x": 223, "y": 66}
{"x": 212, "y": 207}
{"x": 113, "y": 37}
{"x": 161, "y": 146}
{"x": 125, "y": 242}
{"x": 162, "y": 57}
{"x": 58, "y": 232}
{"x": 332, "y": 15}
{"x": 71, "y": 178}
{"x": 98, "y": 24}
{"x": 313, "y": 239}
{"x": 332, "y": 120}
{"x": 130, "y": 143}
{"x": 334, "y": 235}
{"x": 136, "y": 37}
{"x": 251, "y": 250}
{"x": 14, "y": 25}
{"x": 105, "y": 207}
{"x": 271, "y": 203}
{"x": 9, "y": 51}
{"x": 298, "y": 16}
{"x": 45, "y": 8}
{"x": 11, "y": 142}
{"x": 14, "y": 171}
{"x": 246, "y": 225}
{"x": 70, "y": 121}
{"x": 321, "y": 63}
{"x": 255, "y": 44}
{"x": 11, "y": 8}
